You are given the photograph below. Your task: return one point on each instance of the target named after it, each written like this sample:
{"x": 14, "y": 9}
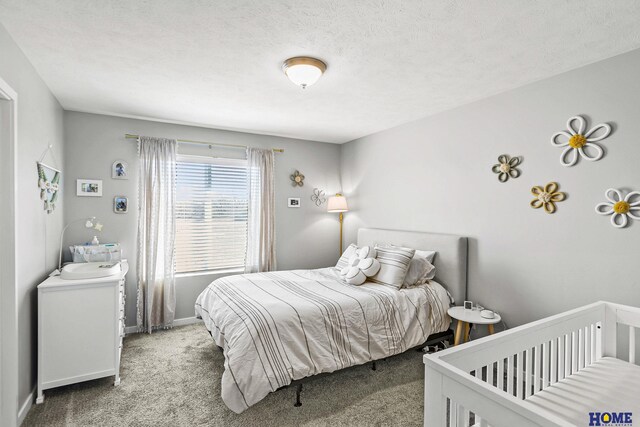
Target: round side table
{"x": 465, "y": 318}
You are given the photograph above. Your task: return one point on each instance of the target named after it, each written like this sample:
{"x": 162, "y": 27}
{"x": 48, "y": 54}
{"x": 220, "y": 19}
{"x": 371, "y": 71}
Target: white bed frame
{"x": 469, "y": 380}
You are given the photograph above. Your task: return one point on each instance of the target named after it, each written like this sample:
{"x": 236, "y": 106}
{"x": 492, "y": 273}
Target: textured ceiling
{"x": 217, "y": 63}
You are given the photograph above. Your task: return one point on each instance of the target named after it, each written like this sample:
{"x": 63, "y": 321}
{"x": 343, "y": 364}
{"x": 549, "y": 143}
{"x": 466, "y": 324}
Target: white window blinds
{"x": 211, "y": 214}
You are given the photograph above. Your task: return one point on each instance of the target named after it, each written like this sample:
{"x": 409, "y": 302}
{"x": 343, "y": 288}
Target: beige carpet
{"x": 172, "y": 378}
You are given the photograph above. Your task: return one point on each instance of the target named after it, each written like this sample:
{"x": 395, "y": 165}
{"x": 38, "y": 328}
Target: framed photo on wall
{"x": 89, "y": 187}
{"x": 120, "y": 204}
{"x": 293, "y": 202}
{"x": 120, "y": 170}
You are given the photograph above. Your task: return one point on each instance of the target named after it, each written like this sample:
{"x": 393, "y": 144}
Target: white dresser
{"x": 80, "y": 329}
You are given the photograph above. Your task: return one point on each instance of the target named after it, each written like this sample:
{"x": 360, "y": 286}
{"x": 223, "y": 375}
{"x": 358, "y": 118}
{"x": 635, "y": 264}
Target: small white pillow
{"x": 420, "y": 269}
{"x": 346, "y": 255}
{"x": 394, "y": 262}
{"x": 420, "y": 272}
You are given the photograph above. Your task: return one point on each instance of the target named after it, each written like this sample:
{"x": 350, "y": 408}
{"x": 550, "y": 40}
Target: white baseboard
{"x": 26, "y": 406}
{"x": 178, "y": 322}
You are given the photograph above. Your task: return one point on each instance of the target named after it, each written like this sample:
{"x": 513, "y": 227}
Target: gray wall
{"x": 306, "y": 237}
{"x": 435, "y": 175}
{"x": 40, "y": 123}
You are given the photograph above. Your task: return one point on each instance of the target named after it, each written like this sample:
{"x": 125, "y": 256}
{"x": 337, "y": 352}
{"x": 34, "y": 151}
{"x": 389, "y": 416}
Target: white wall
{"x": 306, "y": 237}
{"x": 434, "y": 174}
{"x": 40, "y": 123}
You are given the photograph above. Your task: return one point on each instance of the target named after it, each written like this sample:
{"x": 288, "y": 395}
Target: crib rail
{"x": 487, "y": 381}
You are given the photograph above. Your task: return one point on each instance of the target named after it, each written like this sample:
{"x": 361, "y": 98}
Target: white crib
{"x": 560, "y": 371}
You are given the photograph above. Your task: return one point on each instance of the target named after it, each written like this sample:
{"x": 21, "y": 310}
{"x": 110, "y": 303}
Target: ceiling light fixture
{"x": 303, "y": 70}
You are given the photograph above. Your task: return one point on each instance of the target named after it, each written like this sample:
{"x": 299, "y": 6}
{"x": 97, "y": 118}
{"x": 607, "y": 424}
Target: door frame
{"x": 8, "y": 268}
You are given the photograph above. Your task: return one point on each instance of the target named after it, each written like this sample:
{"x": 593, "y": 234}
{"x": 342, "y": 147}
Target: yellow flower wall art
{"x": 547, "y": 197}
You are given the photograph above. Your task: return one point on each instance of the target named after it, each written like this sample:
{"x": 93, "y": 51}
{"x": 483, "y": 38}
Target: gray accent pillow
{"x": 394, "y": 263}
{"x": 421, "y": 269}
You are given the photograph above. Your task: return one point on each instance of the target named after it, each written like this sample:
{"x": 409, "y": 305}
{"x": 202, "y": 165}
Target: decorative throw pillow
{"x": 420, "y": 269}
{"x": 346, "y": 255}
{"x": 360, "y": 266}
{"x": 394, "y": 263}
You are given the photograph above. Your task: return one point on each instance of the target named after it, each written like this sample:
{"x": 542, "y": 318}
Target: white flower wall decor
{"x": 620, "y": 208}
{"x": 580, "y": 143}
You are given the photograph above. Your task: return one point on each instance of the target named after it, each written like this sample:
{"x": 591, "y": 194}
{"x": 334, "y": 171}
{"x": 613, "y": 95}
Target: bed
{"x": 279, "y": 327}
{"x": 565, "y": 370}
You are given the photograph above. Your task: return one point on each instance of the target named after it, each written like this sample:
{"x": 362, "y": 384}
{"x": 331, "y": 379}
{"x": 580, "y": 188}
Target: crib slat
{"x": 632, "y": 345}
{"x": 460, "y": 420}
{"x": 490, "y": 373}
{"x": 553, "y": 362}
{"x": 527, "y": 373}
{"x": 561, "y": 356}
{"x": 599, "y": 350}
{"x": 545, "y": 365}
{"x": 501, "y": 374}
{"x": 587, "y": 345}
{"x": 567, "y": 355}
{"x": 510, "y": 375}
{"x": 594, "y": 344}
{"x": 519, "y": 372}
{"x": 580, "y": 349}
{"x": 453, "y": 413}
{"x": 574, "y": 353}
{"x": 537, "y": 377}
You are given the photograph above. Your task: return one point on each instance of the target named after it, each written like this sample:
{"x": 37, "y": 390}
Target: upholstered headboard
{"x": 450, "y": 260}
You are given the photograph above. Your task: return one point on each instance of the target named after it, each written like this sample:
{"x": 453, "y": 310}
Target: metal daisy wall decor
{"x": 580, "y": 143}
{"x": 547, "y": 197}
{"x": 506, "y": 167}
{"x": 318, "y": 197}
{"x": 297, "y": 179}
{"x": 620, "y": 208}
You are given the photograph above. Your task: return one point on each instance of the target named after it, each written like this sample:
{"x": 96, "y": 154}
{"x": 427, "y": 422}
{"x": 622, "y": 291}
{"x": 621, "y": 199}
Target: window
{"x": 211, "y": 214}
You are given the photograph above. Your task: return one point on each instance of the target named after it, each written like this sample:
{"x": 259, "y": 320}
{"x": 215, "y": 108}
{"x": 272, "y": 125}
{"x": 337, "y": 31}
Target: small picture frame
{"x": 293, "y": 202}
{"x": 468, "y": 305}
{"x": 89, "y": 187}
{"x": 120, "y": 170}
{"x": 120, "y": 204}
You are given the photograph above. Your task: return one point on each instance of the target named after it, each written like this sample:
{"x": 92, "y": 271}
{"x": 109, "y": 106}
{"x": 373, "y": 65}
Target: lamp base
{"x": 341, "y": 218}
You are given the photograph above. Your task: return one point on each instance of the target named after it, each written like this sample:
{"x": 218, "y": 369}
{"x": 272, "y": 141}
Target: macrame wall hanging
{"x": 48, "y": 182}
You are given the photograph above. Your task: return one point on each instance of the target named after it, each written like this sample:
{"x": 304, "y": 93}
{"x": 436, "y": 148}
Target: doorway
{"x": 8, "y": 298}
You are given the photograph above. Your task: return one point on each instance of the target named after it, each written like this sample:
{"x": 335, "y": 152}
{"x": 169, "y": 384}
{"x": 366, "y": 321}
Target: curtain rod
{"x": 191, "y": 141}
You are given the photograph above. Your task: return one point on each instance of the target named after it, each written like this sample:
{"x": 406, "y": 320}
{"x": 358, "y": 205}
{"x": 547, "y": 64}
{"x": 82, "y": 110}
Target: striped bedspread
{"x": 282, "y": 326}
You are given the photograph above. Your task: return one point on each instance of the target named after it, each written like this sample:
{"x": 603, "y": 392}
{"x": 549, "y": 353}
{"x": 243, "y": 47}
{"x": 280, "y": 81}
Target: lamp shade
{"x": 337, "y": 203}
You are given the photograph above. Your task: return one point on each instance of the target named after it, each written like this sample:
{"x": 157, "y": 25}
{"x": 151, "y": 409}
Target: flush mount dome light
{"x": 303, "y": 70}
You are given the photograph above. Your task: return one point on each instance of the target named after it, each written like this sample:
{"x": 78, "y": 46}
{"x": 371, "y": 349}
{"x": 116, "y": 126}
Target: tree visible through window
{"x": 211, "y": 214}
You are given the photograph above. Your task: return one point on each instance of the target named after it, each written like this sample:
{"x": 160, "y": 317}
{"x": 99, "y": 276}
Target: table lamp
{"x": 338, "y": 203}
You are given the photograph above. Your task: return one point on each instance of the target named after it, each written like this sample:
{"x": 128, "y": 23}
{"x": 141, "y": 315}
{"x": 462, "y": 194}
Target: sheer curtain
{"x": 156, "y": 233}
{"x": 261, "y": 235}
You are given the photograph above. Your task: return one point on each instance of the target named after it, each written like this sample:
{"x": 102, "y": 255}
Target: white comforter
{"x": 282, "y": 326}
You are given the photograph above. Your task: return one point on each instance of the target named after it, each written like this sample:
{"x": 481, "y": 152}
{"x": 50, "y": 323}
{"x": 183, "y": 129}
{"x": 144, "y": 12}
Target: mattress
{"x": 607, "y": 386}
{"x": 282, "y": 326}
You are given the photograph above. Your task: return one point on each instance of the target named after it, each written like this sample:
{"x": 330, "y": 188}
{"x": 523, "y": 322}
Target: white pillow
{"x": 420, "y": 269}
{"x": 394, "y": 263}
{"x": 346, "y": 255}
